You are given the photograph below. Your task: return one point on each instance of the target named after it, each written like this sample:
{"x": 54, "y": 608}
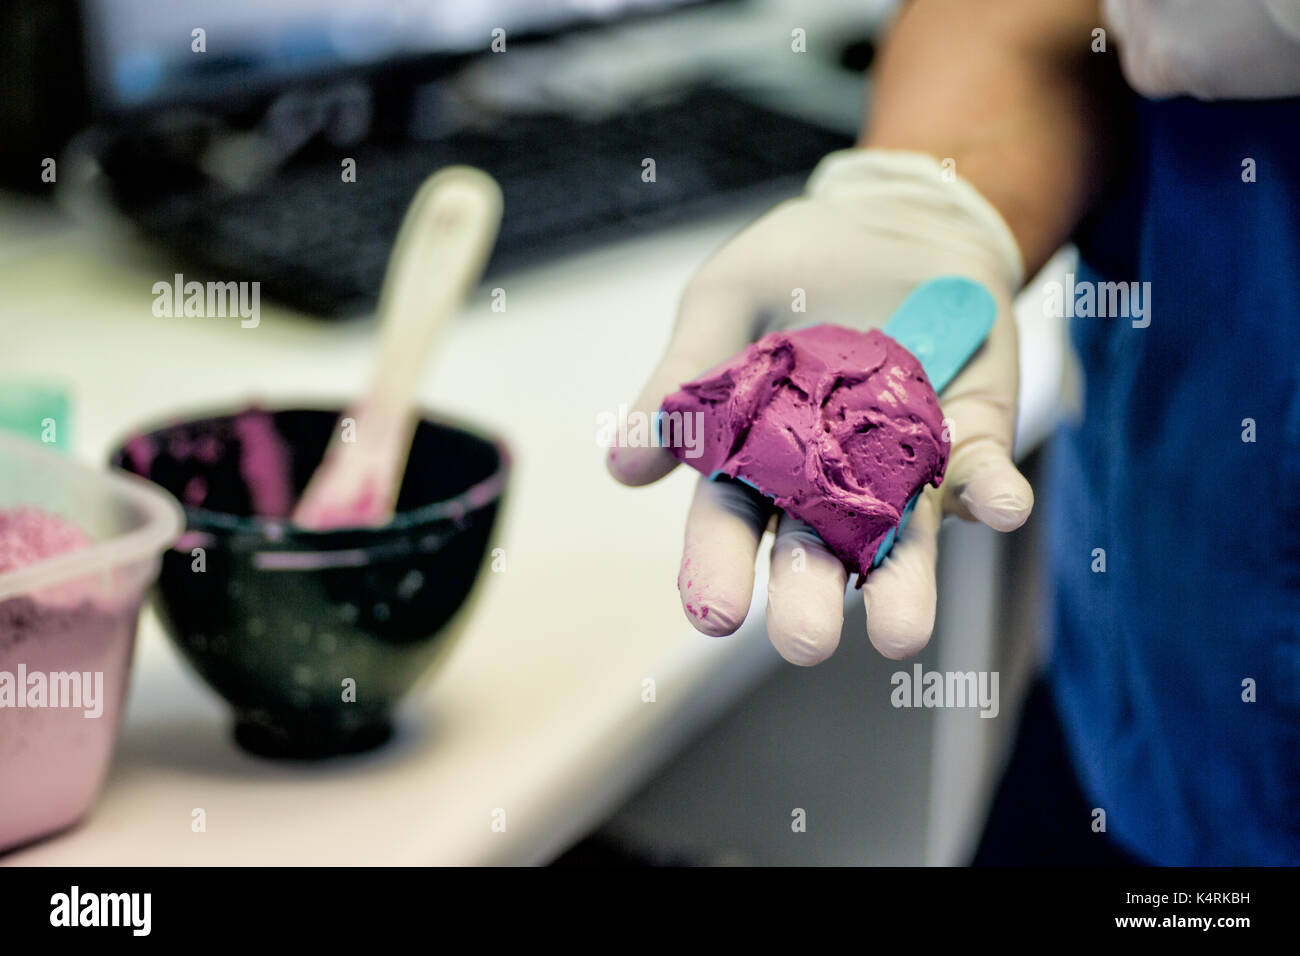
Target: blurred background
{"x": 279, "y": 142}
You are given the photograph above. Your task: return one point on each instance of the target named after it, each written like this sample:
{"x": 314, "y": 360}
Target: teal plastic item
{"x": 38, "y": 411}
{"x": 943, "y": 323}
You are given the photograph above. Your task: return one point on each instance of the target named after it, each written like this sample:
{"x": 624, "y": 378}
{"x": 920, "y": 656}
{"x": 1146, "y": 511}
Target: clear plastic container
{"x": 68, "y": 624}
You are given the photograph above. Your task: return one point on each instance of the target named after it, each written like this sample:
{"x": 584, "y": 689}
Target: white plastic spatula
{"x": 438, "y": 257}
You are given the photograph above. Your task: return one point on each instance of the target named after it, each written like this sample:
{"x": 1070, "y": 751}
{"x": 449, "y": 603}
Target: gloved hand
{"x": 1247, "y": 49}
{"x": 872, "y": 225}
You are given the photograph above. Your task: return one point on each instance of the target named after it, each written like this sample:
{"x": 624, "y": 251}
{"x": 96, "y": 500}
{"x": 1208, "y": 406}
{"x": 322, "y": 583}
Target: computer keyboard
{"x": 321, "y": 245}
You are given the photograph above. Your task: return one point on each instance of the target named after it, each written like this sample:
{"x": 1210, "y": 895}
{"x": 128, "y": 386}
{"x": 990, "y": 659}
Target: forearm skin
{"x": 1013, "y": 93}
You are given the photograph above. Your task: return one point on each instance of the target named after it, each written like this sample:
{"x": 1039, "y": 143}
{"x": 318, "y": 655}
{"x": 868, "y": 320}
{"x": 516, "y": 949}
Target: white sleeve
{"x": 1210, "y": 49}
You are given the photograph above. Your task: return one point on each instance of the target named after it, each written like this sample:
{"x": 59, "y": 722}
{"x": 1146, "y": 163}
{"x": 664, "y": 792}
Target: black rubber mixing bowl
{"x": 313, "y": 637}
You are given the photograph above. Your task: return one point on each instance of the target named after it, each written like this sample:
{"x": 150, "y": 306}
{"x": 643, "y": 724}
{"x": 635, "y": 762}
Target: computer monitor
{"x": 141, "y": 53}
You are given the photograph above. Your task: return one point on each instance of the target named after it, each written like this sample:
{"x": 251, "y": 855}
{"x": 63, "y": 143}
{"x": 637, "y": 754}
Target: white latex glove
{"x": 1210, "y": 49}
{"x": 872, "y": 225}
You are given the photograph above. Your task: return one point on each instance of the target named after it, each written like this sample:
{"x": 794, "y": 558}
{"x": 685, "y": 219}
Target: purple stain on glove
{"x": 839, "y": 427}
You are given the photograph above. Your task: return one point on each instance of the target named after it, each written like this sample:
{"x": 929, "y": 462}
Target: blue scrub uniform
{"x": 1201, "y": 529}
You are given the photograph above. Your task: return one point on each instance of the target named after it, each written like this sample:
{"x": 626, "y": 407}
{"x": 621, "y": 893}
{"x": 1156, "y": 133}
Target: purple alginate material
{"x": 264, "y": 462}
{"x": 840, "y": 428}
{"x": 266, "y": 465}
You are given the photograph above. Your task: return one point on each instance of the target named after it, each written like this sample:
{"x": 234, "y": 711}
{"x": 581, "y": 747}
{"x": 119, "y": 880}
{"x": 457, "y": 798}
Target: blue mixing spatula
{"x": 943, "y": 323}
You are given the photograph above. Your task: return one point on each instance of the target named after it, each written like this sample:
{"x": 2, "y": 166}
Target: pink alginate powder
{"x": 64, "y": 659}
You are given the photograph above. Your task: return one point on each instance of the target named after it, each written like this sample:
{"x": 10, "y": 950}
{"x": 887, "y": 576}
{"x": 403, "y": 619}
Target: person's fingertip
{"x": 898, "y": 636}
{"x": 1003, "y": 500}
{"x": 805, "y": 636}
{"x": 805, "y": 595}
{"x": 900, "y": 596}
{"x": 712, "y": 618}
{"x": 716, "y": 574}
{"x": 900, "y": 604}
{"x": 804, "y": 650}
{"x": 638, "y": 466}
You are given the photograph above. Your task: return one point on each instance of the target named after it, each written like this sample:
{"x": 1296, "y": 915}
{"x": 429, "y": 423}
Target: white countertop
{"x": 539, "y": 709}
